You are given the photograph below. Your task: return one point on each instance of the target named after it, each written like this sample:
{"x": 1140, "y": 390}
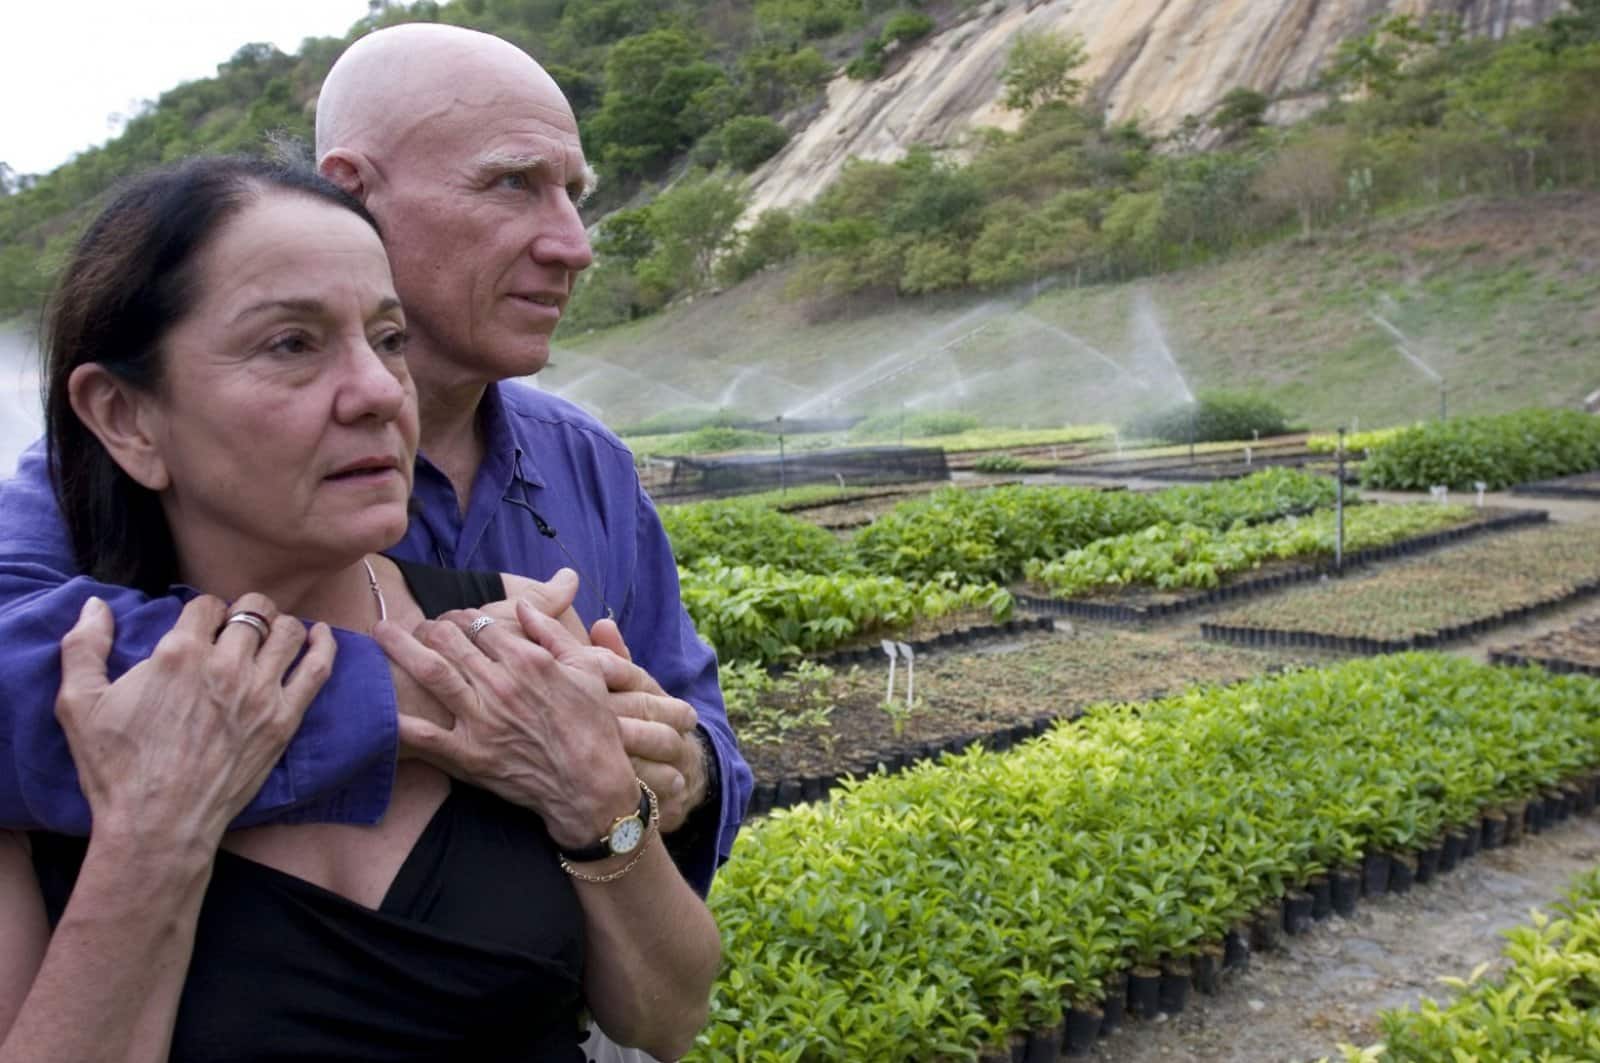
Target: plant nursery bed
{"x": 1584, "y": 485}
{"x": 1573, "y": 650}
{"x": 1426, "y": 602}
{"x": 1136, "y": 604}
{"x": 1327, "y": 987}
{"x": 995, "y": 696}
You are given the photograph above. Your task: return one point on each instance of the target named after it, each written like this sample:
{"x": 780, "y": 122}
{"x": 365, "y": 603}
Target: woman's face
{"x": 286, "y": 423}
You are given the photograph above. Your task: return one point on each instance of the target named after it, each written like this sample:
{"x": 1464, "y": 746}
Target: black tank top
{"x": 476, "y": 952}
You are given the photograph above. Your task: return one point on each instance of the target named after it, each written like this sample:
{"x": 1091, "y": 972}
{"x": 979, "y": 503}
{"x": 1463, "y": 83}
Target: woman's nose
{"x": 372, "y": 386}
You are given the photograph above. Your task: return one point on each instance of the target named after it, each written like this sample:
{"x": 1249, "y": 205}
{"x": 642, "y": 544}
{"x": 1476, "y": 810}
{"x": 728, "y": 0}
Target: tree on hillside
{"x": 1042, "y": 68}
{"x": 1239, "y": 113}
{"x": 692, "y": 223}
{"x": 660, "y": 95}
{"x": 1306, "y": 175}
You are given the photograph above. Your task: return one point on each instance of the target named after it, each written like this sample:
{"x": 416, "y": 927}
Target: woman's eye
{"x": 290, "y": 343}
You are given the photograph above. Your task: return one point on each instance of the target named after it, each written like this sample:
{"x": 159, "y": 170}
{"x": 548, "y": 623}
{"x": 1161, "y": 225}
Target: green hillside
{"x": 1500, "y": 296}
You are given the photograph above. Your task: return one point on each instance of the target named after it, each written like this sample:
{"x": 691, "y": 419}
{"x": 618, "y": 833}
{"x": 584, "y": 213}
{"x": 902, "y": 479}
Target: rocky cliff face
{"x": 1157, "y": 60}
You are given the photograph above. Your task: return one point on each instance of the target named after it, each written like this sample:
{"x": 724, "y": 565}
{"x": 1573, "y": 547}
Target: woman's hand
{"x": 175, "y": 748}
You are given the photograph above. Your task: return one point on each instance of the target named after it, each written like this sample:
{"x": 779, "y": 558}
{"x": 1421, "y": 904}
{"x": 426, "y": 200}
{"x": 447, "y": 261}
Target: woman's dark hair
{"x": 131, "y": 278}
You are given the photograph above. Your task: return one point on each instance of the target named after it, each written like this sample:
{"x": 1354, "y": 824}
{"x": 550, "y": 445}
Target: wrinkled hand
{"x": 530, "y": 718}
{"x": 552, "y": 597}
{"x": 174, "y": 749}
{"x": 674, "y": 766}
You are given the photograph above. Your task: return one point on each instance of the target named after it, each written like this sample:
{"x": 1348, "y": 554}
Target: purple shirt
{"x": 555, "y": 489}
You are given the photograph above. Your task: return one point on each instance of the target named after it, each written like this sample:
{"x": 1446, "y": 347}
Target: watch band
{"x": 601, "y": 849}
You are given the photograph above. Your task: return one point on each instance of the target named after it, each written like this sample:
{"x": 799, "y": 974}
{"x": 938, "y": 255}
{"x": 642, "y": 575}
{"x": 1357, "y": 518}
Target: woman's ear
{"x": 124, "y": 419}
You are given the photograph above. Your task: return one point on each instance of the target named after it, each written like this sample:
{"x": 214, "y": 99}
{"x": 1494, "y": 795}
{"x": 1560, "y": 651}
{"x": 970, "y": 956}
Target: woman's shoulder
{"x": 439, "y": 590}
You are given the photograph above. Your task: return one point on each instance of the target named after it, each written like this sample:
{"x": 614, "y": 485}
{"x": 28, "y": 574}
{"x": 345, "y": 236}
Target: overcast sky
{"x": 68, "y": 66}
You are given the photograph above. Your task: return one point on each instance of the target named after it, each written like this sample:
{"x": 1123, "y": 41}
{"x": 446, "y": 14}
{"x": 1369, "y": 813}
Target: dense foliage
{"x": 764, "y": 614}
{"x": 991, "y": 536}
{"x": 1174, "y": 556}
{"x": 740, "y": 531}
{"x": 656, "y": 83}
{"x": 1212, "y": 417}
{"x": 1498, "y": 451}
{"x": 928, "y": 914}
{"x": 1541, "y": 1007}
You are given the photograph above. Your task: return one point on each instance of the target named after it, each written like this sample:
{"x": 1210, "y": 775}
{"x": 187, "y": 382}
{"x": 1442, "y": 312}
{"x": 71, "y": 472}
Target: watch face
{"x": 625, "y": 836}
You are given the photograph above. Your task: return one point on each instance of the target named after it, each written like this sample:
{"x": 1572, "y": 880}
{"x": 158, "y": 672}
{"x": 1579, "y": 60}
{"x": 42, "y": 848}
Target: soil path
{"x": 1325, "y": 987}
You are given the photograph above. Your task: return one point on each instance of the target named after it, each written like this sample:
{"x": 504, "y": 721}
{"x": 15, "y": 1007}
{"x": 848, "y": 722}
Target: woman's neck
{"x": 340, "y": 597}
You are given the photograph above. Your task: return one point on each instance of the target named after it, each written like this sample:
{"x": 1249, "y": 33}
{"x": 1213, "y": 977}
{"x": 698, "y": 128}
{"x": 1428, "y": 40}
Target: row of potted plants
{"x": 934, "y": 913}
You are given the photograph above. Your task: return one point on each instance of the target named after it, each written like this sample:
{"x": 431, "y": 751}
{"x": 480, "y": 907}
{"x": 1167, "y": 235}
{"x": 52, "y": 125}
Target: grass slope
{"x": 1501, "y": 296}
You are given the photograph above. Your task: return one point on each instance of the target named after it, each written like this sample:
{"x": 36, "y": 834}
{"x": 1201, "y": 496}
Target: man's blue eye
{"x": 514, "y": 180}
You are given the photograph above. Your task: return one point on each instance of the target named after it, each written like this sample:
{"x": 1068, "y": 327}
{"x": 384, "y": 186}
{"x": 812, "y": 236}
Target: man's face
{"x": 479, "y": 212}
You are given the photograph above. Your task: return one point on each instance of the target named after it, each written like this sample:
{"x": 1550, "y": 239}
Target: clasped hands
{"x": 543, "y": 713}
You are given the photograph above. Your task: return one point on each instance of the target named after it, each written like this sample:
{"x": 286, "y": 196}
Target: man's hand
{"x": 531, "y": 719}
{"x": 675, "y": 769}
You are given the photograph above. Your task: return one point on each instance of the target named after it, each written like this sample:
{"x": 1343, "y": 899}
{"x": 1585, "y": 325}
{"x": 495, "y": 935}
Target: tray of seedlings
{"x": 806, "y": 728}
{"x": 1169, "y": 569}
{"x": 1573, "y": 650}
{"x": 1019, "y": 904}
{"x": 1430, "y": 601}
{"x": 1582, "y": 486}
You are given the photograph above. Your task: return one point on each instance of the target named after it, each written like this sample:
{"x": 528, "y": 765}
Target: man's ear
{"x": 125, "y": 421}
{"x": 350, "y": 170}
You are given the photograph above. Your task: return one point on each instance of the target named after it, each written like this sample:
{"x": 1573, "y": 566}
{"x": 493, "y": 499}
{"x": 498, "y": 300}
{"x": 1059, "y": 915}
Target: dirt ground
{"x": 1327, "y": 986}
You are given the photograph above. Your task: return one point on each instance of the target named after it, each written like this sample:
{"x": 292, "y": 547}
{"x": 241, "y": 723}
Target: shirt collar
{"x": 500, "y": 446}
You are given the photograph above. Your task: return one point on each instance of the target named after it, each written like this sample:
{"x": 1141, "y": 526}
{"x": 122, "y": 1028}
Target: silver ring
{"x": 477, "y": 626}
{"x": 255, "y": 621}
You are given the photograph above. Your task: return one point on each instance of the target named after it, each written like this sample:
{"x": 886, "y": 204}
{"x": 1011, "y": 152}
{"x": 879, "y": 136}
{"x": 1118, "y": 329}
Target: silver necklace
{"x": 377, "y": 591}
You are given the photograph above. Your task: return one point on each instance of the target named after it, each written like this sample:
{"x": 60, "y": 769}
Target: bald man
{"x": 468, "y": 155}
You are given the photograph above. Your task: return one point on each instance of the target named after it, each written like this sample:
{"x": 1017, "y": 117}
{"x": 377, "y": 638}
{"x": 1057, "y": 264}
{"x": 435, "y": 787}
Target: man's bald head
{"x": 469, "y": 156}
{"x": 390, "y": 82}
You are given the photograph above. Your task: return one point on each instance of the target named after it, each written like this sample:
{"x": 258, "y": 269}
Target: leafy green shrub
{"x": 769, "y": 242}
{"x": 766, "y": 614}
{"x": 906, "y": 26}
{"x": 1498, "y": 451}
{"x": 930, "y": 913}
{"x": 1170, "y": 556}
{"x": 749, "y": 140}
{"x": 713, "y": 438}
{"x": 990, "y": 536}
{"x": 1213, "y": 416}
{"x": 914, "y": 425}
{"x": 744, "y": 533}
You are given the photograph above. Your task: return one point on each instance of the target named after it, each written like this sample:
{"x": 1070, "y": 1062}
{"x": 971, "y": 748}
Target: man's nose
{"x": 561, "y": 238}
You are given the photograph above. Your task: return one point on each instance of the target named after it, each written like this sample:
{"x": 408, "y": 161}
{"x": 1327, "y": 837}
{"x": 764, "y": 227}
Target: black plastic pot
{"x": 812, "y": 788}
{"x": 1174, "y": 995}
{"x": 1583, "y": 797}
{"x": 1266, "y": 927}
{"x": 1472, "y": 839}
{"x": 1044, "y": 1046}
{"x": 1450, "y": 854}
{"x": 1402, "y": 873}
{"x": 1115, "y": 1004}
{"x": 1019, "y": 1047}
{"x": 1516, "y": 814}
{"x": 1375, "y": 874}
{"x": 761, "y": 797}
{"x": 1428, "y": 862}
{"x": 1533, "y": 819}
{"x": 1562, "y": 799}
{"x": 1297, "y": 912}
{"x": 1236, "y": 950}
{"x": 1206, "y": 966}
{"x": 1346, "y": 885}
{"x": 787, "y": 793}
{"x": 1144, "y": 992}
{"x": 1494, "y": 829}
{"x": 1321, "y": 891}
{"x": 1082, "y": 1027}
